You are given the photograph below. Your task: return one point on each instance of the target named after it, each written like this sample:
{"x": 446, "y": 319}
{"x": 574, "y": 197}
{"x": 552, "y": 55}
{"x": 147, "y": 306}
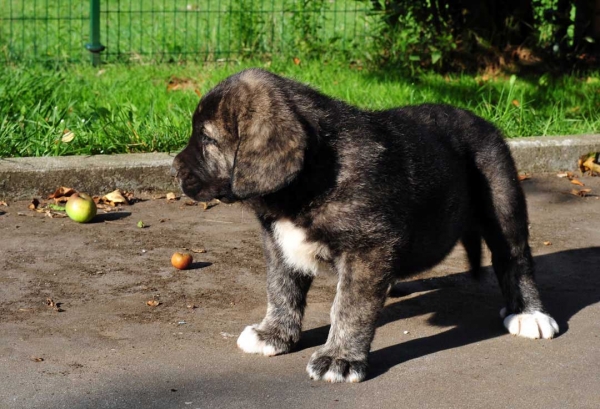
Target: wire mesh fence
{"x": 39, "y": 29}
{"x": 175, "y": 30}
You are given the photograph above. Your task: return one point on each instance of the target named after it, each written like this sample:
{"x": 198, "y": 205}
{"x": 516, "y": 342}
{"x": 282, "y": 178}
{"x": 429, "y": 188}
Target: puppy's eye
{"x": 208, "y": 141}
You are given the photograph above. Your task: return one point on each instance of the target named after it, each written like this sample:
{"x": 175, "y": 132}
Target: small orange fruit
{"x": 181, "y": 261}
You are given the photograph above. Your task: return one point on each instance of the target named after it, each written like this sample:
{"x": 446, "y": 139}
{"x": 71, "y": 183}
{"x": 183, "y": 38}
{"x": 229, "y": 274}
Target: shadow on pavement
{"x": 569, "y": 281}
{"x": 199, "y": 264}
{"x": 110, "y": 217}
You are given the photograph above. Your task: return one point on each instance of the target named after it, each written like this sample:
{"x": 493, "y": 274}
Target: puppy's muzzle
{"x": 178, "y": 172}
{"x": 196, "y": 183}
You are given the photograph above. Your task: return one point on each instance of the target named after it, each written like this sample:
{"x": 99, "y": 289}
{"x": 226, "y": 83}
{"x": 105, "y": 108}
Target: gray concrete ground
{"x": 440, "y": 342}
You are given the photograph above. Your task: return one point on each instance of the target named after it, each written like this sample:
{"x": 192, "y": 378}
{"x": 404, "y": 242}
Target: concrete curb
{"x": 22, "y": 178}
{"x": 544, "y": 154}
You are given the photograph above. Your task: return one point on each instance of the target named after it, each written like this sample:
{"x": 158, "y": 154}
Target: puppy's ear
{"x": 271, "y": 148}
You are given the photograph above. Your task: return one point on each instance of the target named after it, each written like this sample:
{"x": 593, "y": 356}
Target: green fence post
{"x": 94, "y": 45}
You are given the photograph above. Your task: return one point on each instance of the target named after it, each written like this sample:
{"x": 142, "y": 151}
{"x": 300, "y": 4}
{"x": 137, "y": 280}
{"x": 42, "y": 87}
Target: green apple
{"x": 81, "y": 207}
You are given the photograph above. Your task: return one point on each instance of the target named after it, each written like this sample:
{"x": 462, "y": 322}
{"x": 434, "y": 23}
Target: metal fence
{"x": 175, "y": 30}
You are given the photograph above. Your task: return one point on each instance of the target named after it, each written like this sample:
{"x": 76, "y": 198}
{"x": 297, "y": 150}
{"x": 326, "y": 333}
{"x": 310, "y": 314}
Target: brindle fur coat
{"x": 372, "y": 196}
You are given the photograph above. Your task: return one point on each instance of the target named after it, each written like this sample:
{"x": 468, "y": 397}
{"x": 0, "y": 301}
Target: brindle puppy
{"x": 372, "y": 195}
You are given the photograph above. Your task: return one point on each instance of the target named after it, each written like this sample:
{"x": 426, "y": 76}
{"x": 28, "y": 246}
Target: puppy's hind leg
{"x": 280, "y": 330}
{"x": 471, "y": 241}
{"x": 505, "y": 230}
{"x": 524, "y": 313}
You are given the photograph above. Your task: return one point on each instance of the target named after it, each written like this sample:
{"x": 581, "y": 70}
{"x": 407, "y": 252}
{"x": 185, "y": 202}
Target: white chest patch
{"x": 306, "y": 256}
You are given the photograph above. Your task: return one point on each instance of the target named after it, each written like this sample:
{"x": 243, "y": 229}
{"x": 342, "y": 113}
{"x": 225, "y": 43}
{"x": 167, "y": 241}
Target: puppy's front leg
{"x": 361, "y": 293}
{"x": 280, "y": 330}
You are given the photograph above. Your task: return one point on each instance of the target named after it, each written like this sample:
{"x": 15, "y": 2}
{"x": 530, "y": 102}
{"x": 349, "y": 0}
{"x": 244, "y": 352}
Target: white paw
{"x": 530, "y": 325}
{"x": 354, "y": 377}
{"x": 333, "y": 377}
{"x": 336, "y": 377}
{"x": 334, "y": 370}
{"x": 250, "y": 343}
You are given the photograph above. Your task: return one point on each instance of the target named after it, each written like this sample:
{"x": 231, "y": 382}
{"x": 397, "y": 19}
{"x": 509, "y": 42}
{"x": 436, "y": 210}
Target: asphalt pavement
{"x": 440, "y": 341}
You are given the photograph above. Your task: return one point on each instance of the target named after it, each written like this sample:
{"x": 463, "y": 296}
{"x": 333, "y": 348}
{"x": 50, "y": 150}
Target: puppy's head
{"x": 248, "y": 140}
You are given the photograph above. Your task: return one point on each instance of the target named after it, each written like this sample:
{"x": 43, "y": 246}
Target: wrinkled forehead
{"x": 213, "y": 119}
{"x": 220, "y": 109}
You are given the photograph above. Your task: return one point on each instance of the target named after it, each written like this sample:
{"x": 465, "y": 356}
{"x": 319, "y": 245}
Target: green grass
{"x": 128, "y": 108}
{"x": 173, "y": 30}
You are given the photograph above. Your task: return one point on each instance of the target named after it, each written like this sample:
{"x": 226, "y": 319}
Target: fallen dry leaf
{"x": 589, "y": 163}
{"x": 581, "y": 193}
{"x": 54, "y": 305}
{"x": 191, "y": 306}
{"x": 68, "y": 136}
{"x": 153, "y": 303}
{"x": 34, "y": 204}
{"x": 516, "y": 103}
{"x": 208, "y": 205}
{"x": 171, "y": 197}
{"x": 524, "y": 177}
{"x": 130, "y": 197}
{"x": 580, "y": 163}
{"x": 297, "y": 61}
{"x": 36, "y": 359}
{"x": 114, "y": 198}
{"x": 577, "y": 182}
{"x": 180, "y": 84}
{"x": 62, "y": 194}
{"x": 3, "y": 203}
{"x": 547, "y": 243}
{"x": 563, "y": 174}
